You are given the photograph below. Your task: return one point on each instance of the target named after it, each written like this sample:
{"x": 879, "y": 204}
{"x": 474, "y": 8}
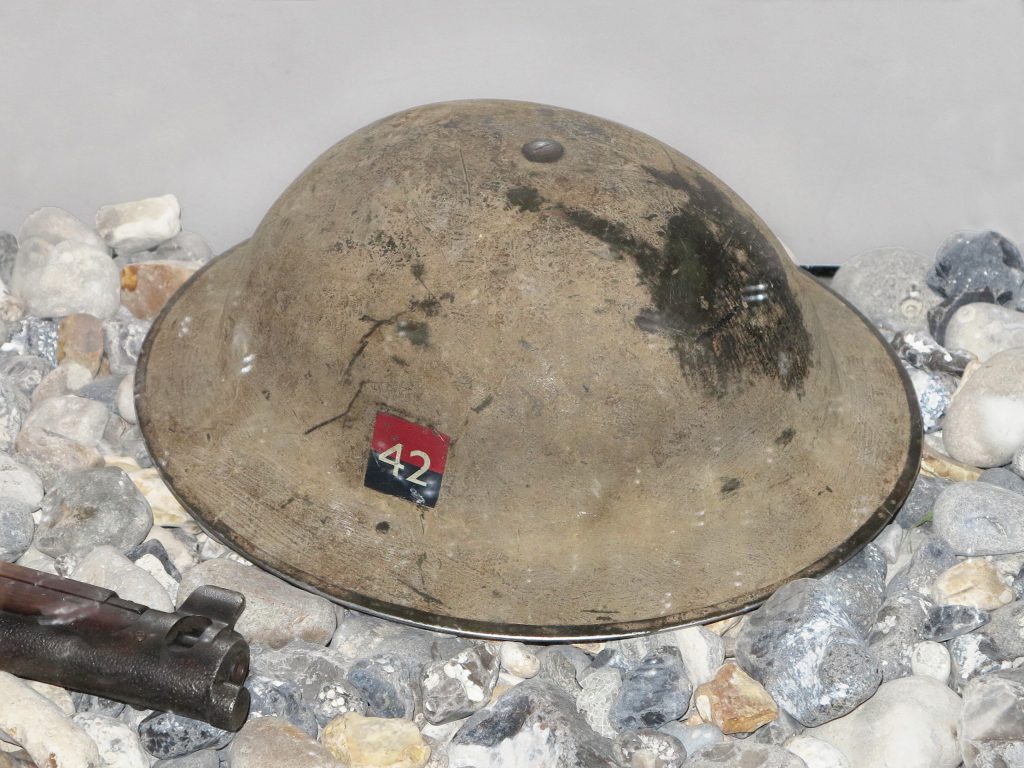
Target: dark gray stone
{"x": 803, "y": 647}
{"x": 1004, "y": 478}
{"x": 92, "y": 507}
{"x": 544, "y": 728}
{"x": 386, "y": 684}
{"x": 944, "y": 622}
{"x": 778, "y": 731}
{"x": 654, "y": 692}
{"x": 898, "y": 627}
{"x": 309, "y": 666}
{"x": 971, "y": 261}
{"x": 456, "y": 687}
{"x": 8, "y": 253}
{"x": 16, "y": 529}
{"x": 361, "y": 636}
{"x": 102, "y": 389}
{"x": 990, "y": 647}
{"x": 922, "y": 351}
{"x": 164, "y": 734}
{"x": 25, "y": 371}
{"x": 918, "y": 506}
{"x": 280, "y": 698}
{"x": 859, "y": 585}
{"x": 157, "y": 550}
{"x": 86, "y": 702}
{"x": 666, "y": 750}
{"x": 556, "y": 666}
{"x": 991, "y": 728}
{"x": 931, "y": 556}
{"x": 122, "y": 438}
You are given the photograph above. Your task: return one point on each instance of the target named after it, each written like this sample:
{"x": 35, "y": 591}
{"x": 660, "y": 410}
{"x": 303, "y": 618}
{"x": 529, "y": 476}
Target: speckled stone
{"x": 944, "y": 622}
{"x": 93, "y": 507}
{"x": 204, "y": 758}
{"x": 14, "y": 407}
{"x": 990, "y": 647}
{"x": 86, "y": 702}
{"x": 122, "y": 340}
{"x": 858, "y": 585}
{"x": 16, "y": 528}
{"x": 898, "y": 627}
{"x": 456, "y": 687}
{"x": 980, "y": 519}
{"x": 282, "y": 699}
{"x": 594, "y": 701}
{"x": 969, "y": 261}
{"x": 164, "y": 734}
{"x": 270, "y": 742}
{"x": 934, "y": 392}
{"x": 386, "y": 684}
{"x": 888, "y": 286}
{"x": 32, "y": 336}
{"x": 336, "y": 699}
{"x": 654, "y": 692}
{"x": 309, "y": 666}
{"x": 375, "y": 742}
{"x": 803, "y": 647}
{"x": 275, "y": 611}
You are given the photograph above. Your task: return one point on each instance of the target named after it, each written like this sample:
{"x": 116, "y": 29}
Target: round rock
{"x": 888, "y": 285}
{"x": 984, "y": 424}
{"x": 92, "y": 507}
{"x": 985, "y": 329}
{"x": 980, "y": 519}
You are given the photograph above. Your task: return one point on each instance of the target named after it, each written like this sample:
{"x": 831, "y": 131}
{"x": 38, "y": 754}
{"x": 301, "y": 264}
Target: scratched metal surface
{"x": 655, "y": 417}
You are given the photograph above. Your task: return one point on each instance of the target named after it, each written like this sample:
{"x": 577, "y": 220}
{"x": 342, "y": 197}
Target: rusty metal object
{"x": 85, "y": 638}
{"x": 651, "y": 416}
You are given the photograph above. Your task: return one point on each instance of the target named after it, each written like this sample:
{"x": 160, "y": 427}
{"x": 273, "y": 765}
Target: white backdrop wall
{"x": 847, "y": 124}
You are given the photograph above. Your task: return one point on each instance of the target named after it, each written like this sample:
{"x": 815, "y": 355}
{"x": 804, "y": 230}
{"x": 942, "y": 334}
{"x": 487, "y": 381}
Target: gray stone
{"x": 184, "y": 246}
{"x": 35, "y": 559}
{"x": 105, "y": 567}
{"x": 744, "y": 754}
{"x": 14, "y": 407}
{"x": 910, "y": 723}
{"x": 118, "y": 744}
{"x": 779, "y": 731}
{"x": 74, "y": 418}
{"x": 102, "y": 389}
{"x": 140, "y": 224}
{"x": 918, "y": 506}
{"x": 86, "y": 702}
{"x": 984, "y": 424}
{"x": 275, "y": 611}
{"x": 992, "y": 646}
{"x": 899, "y": 626}
{"x": 1003, "y": 478}
{"x": 165, "y": 734}
{"x": 557, "y": 667}
{"x": 280, "y": 698}
{"x": 985, "y": 329}
{"x": 335, "y": 699}
{"x": 650, "y": 747}
{"x": 156, "y": 550}
{"x": 360, "y": 636}
{"x": 969, "y": 261}
{"x": 309, "y": 666}
{"x": 536, "y": 721}
{"x": 16, "y": 529}
{"x": 653, "y": 692}
{"x": 702, "y": 651}
{"x": 122, "y": 341}
{"x": 121, "y": 438}
{"x": 980, "y": 519}
{"x": 25, "y": 371}
{"x": 991, "y": 727}
{"x": 52, "y": 456}
{"x": 801, "y": 645}
{"x": 457, "y": 687}
{"x": 944, "y": 622}
{"x": 34, "y": 337}
{"x": 858, "y": 586}
{"x": 387, "y": 685}
{"x": 888, "y": 286}
{"x": 8, "y": 253}
{"x": 934, "y": 392}
{"x": 694, "y": 737}
{"x": 66, "y": 279}
{"x": 930, "y": 556}
{"x": 92, "y": 507}
{"x": 594, "y": 701}
{"x": 922, "y": 351}
{"x": 55, "y": 225}
{"x": 270, "y": 742}
{"x": 204, "y": 758}
{"x": 124, "y": 399}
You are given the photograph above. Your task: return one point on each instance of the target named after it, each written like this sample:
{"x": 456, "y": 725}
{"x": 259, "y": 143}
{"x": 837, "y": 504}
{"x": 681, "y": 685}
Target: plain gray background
{"x": 848, "y": 124}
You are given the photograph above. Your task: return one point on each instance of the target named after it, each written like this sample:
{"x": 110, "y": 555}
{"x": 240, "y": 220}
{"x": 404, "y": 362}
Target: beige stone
{"x": 938, "y": 464}
{"x": 974, "y": 582}
{"x": 146, "y": 286}
{"x": 734, "y": 701}
{"x": 375, "y": 742}
{"x": 166, "y": 509}
{"x": 80, "y": 340}
{"x": 271, "y": 742}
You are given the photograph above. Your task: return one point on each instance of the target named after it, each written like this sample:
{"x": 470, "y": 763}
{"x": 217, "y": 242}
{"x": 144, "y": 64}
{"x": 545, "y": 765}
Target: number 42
{"x": 393, "y": 456}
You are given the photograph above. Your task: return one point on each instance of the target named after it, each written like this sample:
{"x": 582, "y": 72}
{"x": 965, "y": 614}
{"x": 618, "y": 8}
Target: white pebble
{"x": 817, "y": 753}
{"x": 140, "y": 224}
{"x": 702, "y": 651}
{"x": 55, "y": 225}
{"x": 125, "y": 398}
{"x": 118, "y": 745}
{"x": 931, "y": 659}
{"x": 66, "y": 279}
{"x": 519, "y": 660}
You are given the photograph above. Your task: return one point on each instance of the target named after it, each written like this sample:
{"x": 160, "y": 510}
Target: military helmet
{"x": 510, "y": 370}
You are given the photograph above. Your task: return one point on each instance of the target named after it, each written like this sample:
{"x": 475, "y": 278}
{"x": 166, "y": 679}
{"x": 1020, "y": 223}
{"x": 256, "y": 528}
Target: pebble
{"x": 984, "y": 424}
{"x": 934, "y": 392}
{"x": 336, "y": 699}
{"x": 122, "y": 340}
{"x": 181, "y": 547}
{"x": 980, "y": 519}
{"x": 969, "y": 261}
{"x": 105, "y": 567}
{"x": 456, "y": 687}
{"x": 910, "y": 722}
{"x": 64, "y": 279}
{"x": 185, "y": 246}
{"x": 14, "y": 407}
{"x": 888, "y": 286}
{"x": 920, "y": 350}
{"x": 984, "y": 329}
{"x": 694, "y": 737}
{"x": 270, "y": 742}
{"x": 124, "y": 399}
{"x": 944, "y": 622}
{"x": 71, "y": 417}
{"x": 734, "y": 701}
{"x": 16, "y": 528}
{"x": 147, "y": 286}
{"x": 594, "y": 700}
{"x": 654, "y": 692}
{"x": 66, "y": 379}
{"x": 139, "y": 225}
{"x": 556, "y": 666}
{"x": 26, "y": 371}
{"x": 93, "y": 507}
{"x": 991, "y": 727}
{"x": 889, "y": 542}
{"x": 31, "y": 336}
{"x": 929, "y": 556}
{"x": 858, "y": 586}
{"x": 386, "y": 684}
{"x": 42, "y": 729}
{"x": 282, "y": 699}
{"x": 80, "y": 340}
{"x": 204, "y": 758}
{"x": 33, "y": 558}
{"x": 55, "y": 225}
{"x": 931, "y": 659}
{"x": 898, "y": 627}
{"x": 534, "y": 723}
{"x": 165, "y": 734}
{"x": 998, "y": 642}
{"x": 87, "y": 702}
{"x": 275, "y": 612}
{"x": 309, "y": 666}
{"x": 648, "y": 748}
{"x": 167, "y": 510}
{"x": 518, "y": 660}
{"x": 779, "y": 731}
{"x": 974, "y": 582}
{"x": 918, "y": 506}
{"x": 817, "y": 753}
{"x": 744, "y": 754}
{"x": 702, "y": 652}
{"x": 118, "y": 745}
{"x": 801, "y": 645}
{"x": 375, "y": 742}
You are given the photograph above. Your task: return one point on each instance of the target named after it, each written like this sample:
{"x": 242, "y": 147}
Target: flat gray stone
{"x": 980, "y": 519}
{"x": 991, "y": 727}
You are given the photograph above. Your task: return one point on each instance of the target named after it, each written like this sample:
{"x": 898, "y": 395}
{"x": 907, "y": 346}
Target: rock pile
{"x": 907, "y": 655}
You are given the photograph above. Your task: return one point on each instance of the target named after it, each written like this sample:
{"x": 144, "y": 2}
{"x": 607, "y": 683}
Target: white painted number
{"x": 393, "y": 456}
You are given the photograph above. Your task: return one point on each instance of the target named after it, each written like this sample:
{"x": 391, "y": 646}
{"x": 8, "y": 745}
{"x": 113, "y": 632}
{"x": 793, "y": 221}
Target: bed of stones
{"x": 907, "y": 655}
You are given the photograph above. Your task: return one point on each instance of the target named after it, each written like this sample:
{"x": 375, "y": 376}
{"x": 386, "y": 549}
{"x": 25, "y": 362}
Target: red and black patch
{"x": 406, "y": 460}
